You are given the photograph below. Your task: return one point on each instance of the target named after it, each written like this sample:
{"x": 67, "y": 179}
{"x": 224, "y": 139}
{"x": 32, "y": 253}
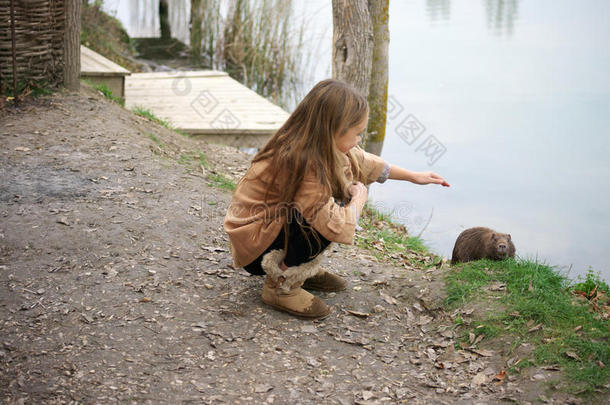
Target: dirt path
{"x": 116, "y": 285}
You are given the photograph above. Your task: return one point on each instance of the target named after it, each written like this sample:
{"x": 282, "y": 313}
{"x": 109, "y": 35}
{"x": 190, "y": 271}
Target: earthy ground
{"x": 116, "y": 285}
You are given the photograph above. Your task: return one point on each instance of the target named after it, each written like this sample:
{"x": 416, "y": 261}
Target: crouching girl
{"x": 304, "y": 190}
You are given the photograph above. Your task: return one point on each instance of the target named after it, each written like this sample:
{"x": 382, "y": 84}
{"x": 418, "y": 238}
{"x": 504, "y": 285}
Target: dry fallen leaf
{"x": 498, "y": 287}
{"x": 262, "y": 388}
{"x": 390, "y": 300}
{"x": 447, "y": 334}
{"x": 378, "y": 244}
{"x": 483, "y": 352}
{"x": 309, "y": 329}
{"x": 535, "y": 328}
{"x": 213, "y": 248}
{"x": 479, "y": 379}
{"x": 146, "y": 299}
{"x": 63, "y": 221}
{"x": 572, "y": 355}
{"x": 199, "y": 386}
{"x": 500, "y": 377}
{"x": 358, "y": 313}
{"x": 424, "y": 320}
{"x": 366, "y": 395}
{"x": 552, "y": 367}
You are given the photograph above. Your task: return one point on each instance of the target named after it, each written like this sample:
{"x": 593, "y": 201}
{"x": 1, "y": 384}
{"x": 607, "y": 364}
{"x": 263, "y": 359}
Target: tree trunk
{"x": 196, "y": 16}
{"x": 378, "y": 90}
{"x": 14, "y": 52}
{"x": 164, "y": 19}
{"x": 72, "y": 9}
{"x": 353, "y": 43}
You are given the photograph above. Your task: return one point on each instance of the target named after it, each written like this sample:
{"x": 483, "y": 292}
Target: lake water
{"x": 508, "y": 100}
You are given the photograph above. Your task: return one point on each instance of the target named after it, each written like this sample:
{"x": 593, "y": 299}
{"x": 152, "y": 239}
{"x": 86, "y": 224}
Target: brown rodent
{"x": 480, "y": 242}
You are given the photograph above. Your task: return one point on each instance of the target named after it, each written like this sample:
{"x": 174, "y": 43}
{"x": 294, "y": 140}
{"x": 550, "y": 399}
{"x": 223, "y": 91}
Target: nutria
{"x": 478, "y": 243}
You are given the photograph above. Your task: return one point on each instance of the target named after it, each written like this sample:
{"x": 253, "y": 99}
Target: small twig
{"x": 149, "y": 328}
{"x": 39, "y": 302}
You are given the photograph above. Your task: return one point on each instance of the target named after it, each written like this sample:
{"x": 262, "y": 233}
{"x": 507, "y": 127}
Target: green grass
{"x": 185, "y": 159}
{"x": 203, "y": 161}
{"x": 103, "y": 88}
{"x": 32, "y": 88}
{"x": 181, "y": 132}
{"x": 537, "y": 294}
{"x": 590, "y": 282}
{"x": 464, "y": 284}
{"x": 155, "y": 139}
{"x": 387, "y": 240}
{"x": 220, "y": 181}
{"x": 194, "y": 160}
{"x": 146, "y": 113}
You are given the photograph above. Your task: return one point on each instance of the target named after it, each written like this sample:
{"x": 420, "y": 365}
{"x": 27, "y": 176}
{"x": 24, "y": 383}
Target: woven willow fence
{"x": 39, "y": 36}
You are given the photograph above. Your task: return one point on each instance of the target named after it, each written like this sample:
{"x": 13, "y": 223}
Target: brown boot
{"x": 325, "y": 281}
{"x": 282, "y": 289}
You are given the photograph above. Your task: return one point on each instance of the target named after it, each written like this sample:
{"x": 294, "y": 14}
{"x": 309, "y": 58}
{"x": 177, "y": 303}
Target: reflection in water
{"x": 501, "y": 16}
{"x": 179, "y": 19}
{"x": 143, "y": 17}
{"x": 438, "y": 9}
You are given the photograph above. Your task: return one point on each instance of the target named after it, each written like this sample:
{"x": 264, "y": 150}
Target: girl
{"x": 303, "y": 190}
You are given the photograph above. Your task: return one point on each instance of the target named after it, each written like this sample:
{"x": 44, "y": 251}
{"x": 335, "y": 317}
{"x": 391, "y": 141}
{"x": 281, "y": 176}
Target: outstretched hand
{"x": 429, "y": 178}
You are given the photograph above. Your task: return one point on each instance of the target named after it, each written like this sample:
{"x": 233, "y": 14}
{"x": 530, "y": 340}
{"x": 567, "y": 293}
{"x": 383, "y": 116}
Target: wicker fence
{"x": 39, "y": 40}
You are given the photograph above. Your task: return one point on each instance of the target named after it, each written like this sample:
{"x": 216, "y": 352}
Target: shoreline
{"x": 133, "y": 246}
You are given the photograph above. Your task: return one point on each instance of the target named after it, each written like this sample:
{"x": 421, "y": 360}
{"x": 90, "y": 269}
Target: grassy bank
{"x": 387, "y": 240}
{"x": 565, "y": 323}
{"x": 194, "y": 161}
{"x": 550, "y": 321}
{"x": 106, "y": 36}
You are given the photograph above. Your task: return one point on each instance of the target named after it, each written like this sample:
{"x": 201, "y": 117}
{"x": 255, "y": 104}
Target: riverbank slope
{"x": 116, "y": 284}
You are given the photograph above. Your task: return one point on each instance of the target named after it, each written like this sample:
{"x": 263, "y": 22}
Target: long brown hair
{"x": 306, "y": 142}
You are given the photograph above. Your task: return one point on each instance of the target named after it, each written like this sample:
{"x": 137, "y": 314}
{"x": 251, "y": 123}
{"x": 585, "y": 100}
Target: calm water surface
{"x": 518, "y": 93}
{"x": 508, "y": 100}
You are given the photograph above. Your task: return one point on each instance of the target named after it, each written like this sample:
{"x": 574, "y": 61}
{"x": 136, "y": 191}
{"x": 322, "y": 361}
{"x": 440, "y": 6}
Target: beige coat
{"x": 250, "y": 222}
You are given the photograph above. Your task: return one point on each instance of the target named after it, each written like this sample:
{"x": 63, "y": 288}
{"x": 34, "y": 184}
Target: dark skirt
{"x": 304, "y": 244}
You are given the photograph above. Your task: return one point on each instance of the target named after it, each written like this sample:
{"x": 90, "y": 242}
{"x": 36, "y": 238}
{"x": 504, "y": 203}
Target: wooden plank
{"x": 204, "y": 102}
{"x": 94, "y": 64}
{"x": 180, "y": 74}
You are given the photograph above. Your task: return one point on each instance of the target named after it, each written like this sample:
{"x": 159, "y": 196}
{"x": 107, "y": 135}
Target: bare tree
{"x": 353, "y": 43}
{"x": 72, "y": 9}
{"x": 378, "y": 89}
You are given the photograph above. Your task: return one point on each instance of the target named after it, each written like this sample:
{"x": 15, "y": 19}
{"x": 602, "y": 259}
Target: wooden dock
{"x": 99, "y": 70}
{"x": 207, "y": 103}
